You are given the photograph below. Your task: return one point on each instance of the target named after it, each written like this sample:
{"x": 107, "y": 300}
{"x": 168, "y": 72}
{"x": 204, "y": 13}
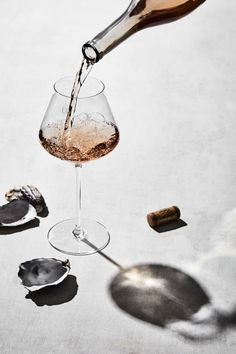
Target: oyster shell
{"x": 17, "y": 212}
{"x": 29, "y": 193}
{"x": 42, "y": 272}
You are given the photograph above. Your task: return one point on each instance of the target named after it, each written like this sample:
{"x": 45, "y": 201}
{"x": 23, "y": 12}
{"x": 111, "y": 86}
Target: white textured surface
{"x": 172, "y": 92}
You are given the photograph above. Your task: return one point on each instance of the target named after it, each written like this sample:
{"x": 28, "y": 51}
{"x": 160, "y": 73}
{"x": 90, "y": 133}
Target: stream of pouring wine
{"x": 80, "y": 77}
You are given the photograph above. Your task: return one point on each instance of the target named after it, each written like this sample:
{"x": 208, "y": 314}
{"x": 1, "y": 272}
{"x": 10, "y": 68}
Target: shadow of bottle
{"x": 55, "y": 294}
{"x": 168, "y": 298}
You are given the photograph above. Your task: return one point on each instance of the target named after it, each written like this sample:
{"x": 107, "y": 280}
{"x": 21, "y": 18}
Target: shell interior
{"x": 42, "y": 272}
{"x": 17, "y": 212}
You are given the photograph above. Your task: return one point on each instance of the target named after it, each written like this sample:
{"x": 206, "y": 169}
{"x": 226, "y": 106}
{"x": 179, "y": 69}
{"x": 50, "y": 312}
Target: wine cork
{"x": 163, "y": 216}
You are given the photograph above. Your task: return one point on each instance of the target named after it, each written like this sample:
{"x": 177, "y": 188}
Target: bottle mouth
{"x": 91, "y": 53}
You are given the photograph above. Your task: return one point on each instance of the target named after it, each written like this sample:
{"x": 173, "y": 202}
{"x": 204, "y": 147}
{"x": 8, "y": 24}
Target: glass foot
{"x": 95, "y": 237}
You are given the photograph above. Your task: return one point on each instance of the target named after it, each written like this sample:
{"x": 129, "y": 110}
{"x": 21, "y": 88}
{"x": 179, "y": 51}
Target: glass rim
{"x": 72, "y": 80}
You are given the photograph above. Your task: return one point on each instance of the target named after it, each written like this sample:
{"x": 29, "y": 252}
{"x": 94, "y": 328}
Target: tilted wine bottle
{"x": 140, "y": 14}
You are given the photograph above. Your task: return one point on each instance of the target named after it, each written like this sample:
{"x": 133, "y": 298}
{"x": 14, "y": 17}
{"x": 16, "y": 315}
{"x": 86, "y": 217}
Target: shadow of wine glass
{"x": 55, "y": 294}
{"x": 109, "y": 259}
{"x": 165, "y": 297}
{"x": 8, "y": 230}
{"x": 168, "y": 298}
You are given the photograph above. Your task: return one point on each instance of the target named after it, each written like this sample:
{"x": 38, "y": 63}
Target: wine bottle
{"x": 140, "y": 14}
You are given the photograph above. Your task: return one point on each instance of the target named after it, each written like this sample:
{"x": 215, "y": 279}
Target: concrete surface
{"x": 172, "y": 92}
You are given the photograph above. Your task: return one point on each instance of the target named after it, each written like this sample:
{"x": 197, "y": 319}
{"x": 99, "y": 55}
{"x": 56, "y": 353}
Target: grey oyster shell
{"x": 42, "y": 272}
{"x": 29, "y": 193}
{"x": 17, "y": 212}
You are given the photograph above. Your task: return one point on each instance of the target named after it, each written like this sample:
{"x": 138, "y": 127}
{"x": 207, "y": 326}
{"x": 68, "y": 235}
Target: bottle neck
{"x": 139, "y": 14}
{"x": 110, "y": 37}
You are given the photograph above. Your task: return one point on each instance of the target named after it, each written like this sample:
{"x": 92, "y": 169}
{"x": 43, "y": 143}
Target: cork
{"x": 163, "y": 216}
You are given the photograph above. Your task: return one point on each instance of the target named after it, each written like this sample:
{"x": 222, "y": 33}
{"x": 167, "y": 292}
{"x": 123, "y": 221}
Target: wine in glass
{"x": 90, "y": 134}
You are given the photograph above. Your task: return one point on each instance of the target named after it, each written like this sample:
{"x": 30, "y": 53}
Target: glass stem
{"x": 78, "y": 230}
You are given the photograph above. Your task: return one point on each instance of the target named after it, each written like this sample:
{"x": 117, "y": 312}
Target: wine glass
{"x": 91, "y": 134}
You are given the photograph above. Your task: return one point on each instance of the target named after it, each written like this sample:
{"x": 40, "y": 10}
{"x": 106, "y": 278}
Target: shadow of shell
{"x": 56, "y": 294}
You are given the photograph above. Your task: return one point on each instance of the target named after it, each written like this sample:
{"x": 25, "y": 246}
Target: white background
{"x": 172, "y": 92}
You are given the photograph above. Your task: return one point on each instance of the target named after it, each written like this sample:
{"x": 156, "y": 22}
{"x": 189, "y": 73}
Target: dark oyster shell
{"x": 41, "y": 272}
{"x": 29, "y": 193}
{"x": 17, "y": 212}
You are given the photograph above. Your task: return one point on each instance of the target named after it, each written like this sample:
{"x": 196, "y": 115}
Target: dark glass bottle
{"x": 140, "y": 14}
